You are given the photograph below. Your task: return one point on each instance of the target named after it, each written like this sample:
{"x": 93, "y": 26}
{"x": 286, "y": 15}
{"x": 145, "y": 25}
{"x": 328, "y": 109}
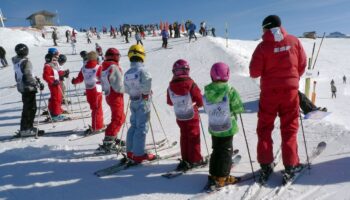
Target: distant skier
{"x": 222, "y": 103}
{"x": 165, "y": 36}
{"x": 138, "y": 83}
{"x": 3, "y": 57}
{"x": 27, "y": 85}
{"x": 192, "y": 29}
{"x": 344, "y": 79}
{"x": 73, "y": 41}
{"x": 99, "y": 51}
{"x": 334, "y": 91}
{"x": 184, "y": 94}
{"x": 279, "y": 95}
{"x": 68, "y": 35}
{"x": 213, "y": 32}
{"x": 138, "y": 38}
{"x": 93, "y": 89}
{"x": 54, "y": 37}
{"x": 112, "y": 84}
{"x": 88, "y": 37}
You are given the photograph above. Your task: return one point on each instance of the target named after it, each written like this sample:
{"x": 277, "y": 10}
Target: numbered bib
{"x": 90, "y": 78}
{"x": 183, "y": 105}
{"x": 132, "y": 81}
{"x": 219, "y": 115}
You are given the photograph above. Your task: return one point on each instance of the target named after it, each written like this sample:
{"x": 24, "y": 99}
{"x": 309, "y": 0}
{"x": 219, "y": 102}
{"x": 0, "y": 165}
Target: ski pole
{"x": 81, "y": 111}
{"x": 50, "y": 117}
{"x": 246, "y": 142}
{"x": 121, "y": 135}
{"x": 302, "y": 129}
{"x": 318, "y": 51}
{"x": 67, "y": 93}
{"x": 160, "y": 122}
{"x": 154, "y": 141}
{"x": 38, "y": 115}
{"x": 205, "y": 140}
{"x": 63, "y": 96}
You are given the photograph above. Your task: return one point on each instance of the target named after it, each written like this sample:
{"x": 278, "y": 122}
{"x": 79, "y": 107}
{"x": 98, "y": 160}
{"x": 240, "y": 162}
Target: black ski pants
{"x": 29, "y": 110}
{"x": 221, "y": 157}
{"x": 305, "y": 104}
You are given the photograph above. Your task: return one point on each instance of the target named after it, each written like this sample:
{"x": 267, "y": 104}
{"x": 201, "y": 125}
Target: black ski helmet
{"x": 62, "y": 59}
{"x": 21, "y": 50}
{"x": 48, "y": 58}
{"x": 83, "y": 54}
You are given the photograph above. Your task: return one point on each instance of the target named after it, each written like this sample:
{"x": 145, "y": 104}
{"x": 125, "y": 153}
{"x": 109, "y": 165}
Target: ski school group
{"x": 221, "y": 102}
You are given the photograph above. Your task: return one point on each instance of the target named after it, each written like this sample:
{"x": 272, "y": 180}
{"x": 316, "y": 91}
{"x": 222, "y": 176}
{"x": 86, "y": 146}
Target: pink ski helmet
{"x": 220, "y": 72}
{"x": 181, "y": 68}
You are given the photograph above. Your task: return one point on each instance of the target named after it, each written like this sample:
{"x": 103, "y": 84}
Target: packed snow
{"x": 52, "y": 167}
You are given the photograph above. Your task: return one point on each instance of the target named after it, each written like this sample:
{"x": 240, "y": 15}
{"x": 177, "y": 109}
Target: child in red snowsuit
{"x": 52, "y": 75}
{"x": 88, "y": 74}
{"x": 186, "y": 98}
{"x": 112, "y": 84}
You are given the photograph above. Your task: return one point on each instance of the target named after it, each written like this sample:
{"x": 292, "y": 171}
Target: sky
{"x": 243, "y": 17}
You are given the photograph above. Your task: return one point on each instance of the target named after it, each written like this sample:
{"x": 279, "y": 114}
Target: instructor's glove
{"x": 41, "y": 86}
{"x": 56, "y": 82}
{"x": 73, "y": 81}
{"x": 66, "y": 73}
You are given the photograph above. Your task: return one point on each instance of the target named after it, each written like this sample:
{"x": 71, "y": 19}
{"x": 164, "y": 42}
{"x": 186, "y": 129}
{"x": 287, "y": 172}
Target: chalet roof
{"x": 42, "y": 12}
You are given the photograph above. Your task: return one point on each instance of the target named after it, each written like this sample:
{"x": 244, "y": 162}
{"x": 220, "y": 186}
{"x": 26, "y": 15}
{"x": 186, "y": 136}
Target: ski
{"x": 129, "y": 164}
{"x": 317, "y": 151}
{"x": 123, "y": 150}
{"x": 87, "y": 135}
{"x": 175, "y": 173}
{"x": 46, "y": 134}
{"x": 210, "y": 189}
{"x": 48, "y": 120}
{"x": 254, "y": 190}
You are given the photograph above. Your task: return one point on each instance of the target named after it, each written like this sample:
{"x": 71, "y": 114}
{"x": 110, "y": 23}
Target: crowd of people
{"x": 102, "y": 76}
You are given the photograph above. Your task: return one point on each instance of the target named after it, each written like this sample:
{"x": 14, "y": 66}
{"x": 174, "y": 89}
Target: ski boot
{"x": 265, "y": 172}
{"x": 59, "y": 118}
{"x": 140, "y": 159}
{"x": 290, "y": 171}
{"x": 200, "y": 164}
{"x": 30, "y": 132}
{"x": 183, "y": 165}
{"x": 227, "y": 180}
{"x": 120, "y": 142}
{"x": 90, "y": 131}
{"x": 108, "y": 145}
{"x": 45, "y": 112}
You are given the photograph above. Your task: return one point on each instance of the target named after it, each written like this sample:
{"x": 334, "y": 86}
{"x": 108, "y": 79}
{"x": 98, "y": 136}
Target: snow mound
{"x": 28, "y": 36}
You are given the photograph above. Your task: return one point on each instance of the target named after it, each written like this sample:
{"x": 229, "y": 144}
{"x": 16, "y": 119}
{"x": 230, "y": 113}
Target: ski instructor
{"x": 279, "y": 60}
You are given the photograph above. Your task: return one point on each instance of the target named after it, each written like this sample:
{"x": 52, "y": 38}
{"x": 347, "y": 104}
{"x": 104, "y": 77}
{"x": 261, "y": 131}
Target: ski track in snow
{"x": 50, "y": 167}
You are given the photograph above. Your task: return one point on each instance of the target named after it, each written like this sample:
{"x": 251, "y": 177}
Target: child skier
{"x": 112, "y": 84}
{"x": 99, "y": 52}
{"x": 88, "y": 74}
{"x": 51, "y": 75}
{"x": 221, "y": 102}
{"x": 27, "y": 85}
{"x": 138, "y": 83}
{"x": 186, "y": 97}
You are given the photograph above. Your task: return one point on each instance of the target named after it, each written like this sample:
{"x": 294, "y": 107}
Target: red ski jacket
{"x": 279, "y": 60}
{"x": 49, "y": 74}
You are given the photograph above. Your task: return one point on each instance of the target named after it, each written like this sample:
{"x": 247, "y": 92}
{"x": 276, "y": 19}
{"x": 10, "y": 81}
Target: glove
{"x": 66, "y": 73}
{"x": 56, "y": 82}
{"x": 62, "y": 78}
{"x": 73, "y": 80}
{"x": 41, "y": 86}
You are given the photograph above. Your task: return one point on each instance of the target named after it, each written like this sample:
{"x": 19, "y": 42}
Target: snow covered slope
{"x": 50, "y": 167}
